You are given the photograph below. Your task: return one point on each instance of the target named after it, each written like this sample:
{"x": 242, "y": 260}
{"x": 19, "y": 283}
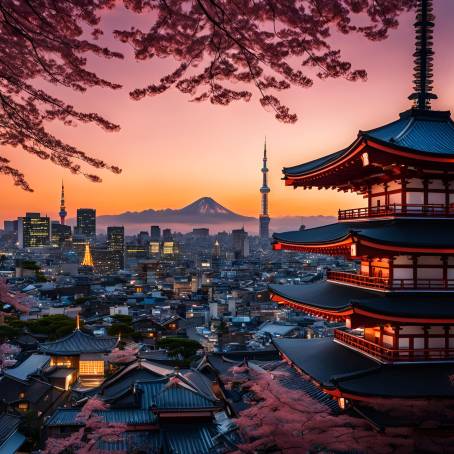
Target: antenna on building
{"x": 423, "y": 56}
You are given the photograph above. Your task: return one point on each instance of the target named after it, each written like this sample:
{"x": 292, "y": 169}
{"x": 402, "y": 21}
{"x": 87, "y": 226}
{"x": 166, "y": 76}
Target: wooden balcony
{"x": 380, "y": 283}
{"x": 392, "y": 355}
{"x": 398, "y": 210}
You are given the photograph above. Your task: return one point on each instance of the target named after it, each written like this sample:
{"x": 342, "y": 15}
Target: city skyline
{"x": 155, "y": 161}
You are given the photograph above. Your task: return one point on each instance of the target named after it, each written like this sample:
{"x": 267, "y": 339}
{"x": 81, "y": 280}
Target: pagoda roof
{"x": 414, "y": 234}
{"x": 78, "y": 343}
{"x": 340, "y": 301}
{"x": 417, "y": 135}
{"x": 339, "y": 368}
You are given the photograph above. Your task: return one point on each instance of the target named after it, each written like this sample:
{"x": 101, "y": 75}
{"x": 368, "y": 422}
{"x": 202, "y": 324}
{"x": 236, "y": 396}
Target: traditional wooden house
{"x": 396, "y": 352}
{"x": 166, "y": 410}
{"x": 83, "y": 353}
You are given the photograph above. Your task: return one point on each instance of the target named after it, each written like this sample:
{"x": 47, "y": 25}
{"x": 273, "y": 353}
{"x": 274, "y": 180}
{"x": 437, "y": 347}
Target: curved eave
{"x": 341, "y": 313}
{"x": 363, "y": 142}
{"x": 364, "y": 245}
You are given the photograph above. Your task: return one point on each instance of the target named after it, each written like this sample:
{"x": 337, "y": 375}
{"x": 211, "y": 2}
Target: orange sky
{"x": 173, "y": 152}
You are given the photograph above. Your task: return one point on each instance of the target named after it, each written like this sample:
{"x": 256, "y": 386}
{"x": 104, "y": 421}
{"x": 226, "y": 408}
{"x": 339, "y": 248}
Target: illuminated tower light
{"x": 88, "y": 259}
{"x": 264, "y": 190}
{"x": 62, "y": 212}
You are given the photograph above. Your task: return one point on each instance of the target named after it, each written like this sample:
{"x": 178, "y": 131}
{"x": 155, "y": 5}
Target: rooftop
{"x": 353, "y": 373}
{"x": 77, "y": 343}
{"x": 422, "y": 132}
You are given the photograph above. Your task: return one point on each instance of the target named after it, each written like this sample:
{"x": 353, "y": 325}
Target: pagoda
{"x": 396, "y": 351}
{"x": 82, "y": 354}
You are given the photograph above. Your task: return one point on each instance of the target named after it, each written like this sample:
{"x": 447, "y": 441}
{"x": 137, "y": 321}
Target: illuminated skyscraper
{"x": 86, "y": 223}
{"x": 116, "y": 239}
{"x": 33, "y": 231}
{"x": 264, "y": 190}
{"x": 62, "y": 212}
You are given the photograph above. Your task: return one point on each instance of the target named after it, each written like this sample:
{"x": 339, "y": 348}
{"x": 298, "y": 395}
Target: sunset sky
{"x": 173, "y": 151}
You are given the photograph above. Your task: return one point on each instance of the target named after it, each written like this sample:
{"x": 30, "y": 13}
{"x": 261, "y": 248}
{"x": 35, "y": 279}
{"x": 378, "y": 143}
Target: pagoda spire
{"x": 423, "y": 56}
{"x": 88, "y": 259}
{"x": 62, "y": 212}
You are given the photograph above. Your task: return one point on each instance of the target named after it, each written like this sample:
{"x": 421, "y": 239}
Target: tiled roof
{"x": 167, "y": 395}
{"x": 68, "y": 417}
{"x": 426, "y": 131}
{"x": 77, "y": 343}
{"x": 354, "y": 373}
{"x": 195, "y": 440}
{"x": 420, "y": 131}
{"x": 8, "y": 425}
{"x": 424, "y": 233}
{"x": 31, "y": 365}
{"x": 332, "y": 297}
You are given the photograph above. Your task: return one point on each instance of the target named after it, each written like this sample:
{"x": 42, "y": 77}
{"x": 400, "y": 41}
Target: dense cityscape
{"x": 86, "y": 302}
{"x": 191, "y": 338}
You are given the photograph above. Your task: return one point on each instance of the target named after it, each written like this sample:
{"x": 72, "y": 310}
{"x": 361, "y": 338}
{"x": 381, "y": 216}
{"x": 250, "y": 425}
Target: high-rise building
{"x": 167, "y": 235}
{"x": 201, "y": 232}
{"x": 240, "y": 243}
{"x": 33, "y": 231}
{"x": 216, "y": 249}
{"x": 155, "y": 233}
{"x": 116, "y": 239}
{"x": 107, "y": 261}
{"x": 60, "y": 233}
{"x": 264, "y": 191}
{"x": 86, "y": 223}
{"x": 143, "y": 238}
{"x": 10, "y": 226}
{"x": 62, "y": 212}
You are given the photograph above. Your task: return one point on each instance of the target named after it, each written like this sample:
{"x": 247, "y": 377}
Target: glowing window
{"x": 91, "y": 367}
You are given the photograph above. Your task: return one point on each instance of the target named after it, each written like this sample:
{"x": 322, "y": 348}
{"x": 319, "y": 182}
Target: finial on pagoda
{"x": 423, "y": 56}
{"x": 77, "y": 322}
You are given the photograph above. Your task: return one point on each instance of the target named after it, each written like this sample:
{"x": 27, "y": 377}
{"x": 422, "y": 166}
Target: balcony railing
{"x": 391, "y": 355}
{"x": 397, "y": 210}
{"x": 381, "y": 283}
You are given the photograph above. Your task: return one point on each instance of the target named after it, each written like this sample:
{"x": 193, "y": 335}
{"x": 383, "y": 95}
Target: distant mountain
{"x": 204, "y": 212}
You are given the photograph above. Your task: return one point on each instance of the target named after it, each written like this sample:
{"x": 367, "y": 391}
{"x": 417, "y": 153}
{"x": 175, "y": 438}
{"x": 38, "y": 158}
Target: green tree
{"x": 179, "y": 346}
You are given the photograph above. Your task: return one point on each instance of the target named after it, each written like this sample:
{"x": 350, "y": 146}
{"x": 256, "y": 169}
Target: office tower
{"x": 143, "y": 238}
{"x": 240, "y": 243}
{"x": 264, "y": 190}
{"x": 155, "y": 233}
{"x": 10, "y": 226}
{"x": 60, "y": 234}
{"x": 86, "y": 223}
{"x": 33, "y": 231}
{"x": 62, "y": 212}
{"x": 200, "y": 232}
{"x": 116, "y": 239}
{"x": 107, "y": 261}
{"x": 216, "y": 249}
{"x": 167, "y": 235}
